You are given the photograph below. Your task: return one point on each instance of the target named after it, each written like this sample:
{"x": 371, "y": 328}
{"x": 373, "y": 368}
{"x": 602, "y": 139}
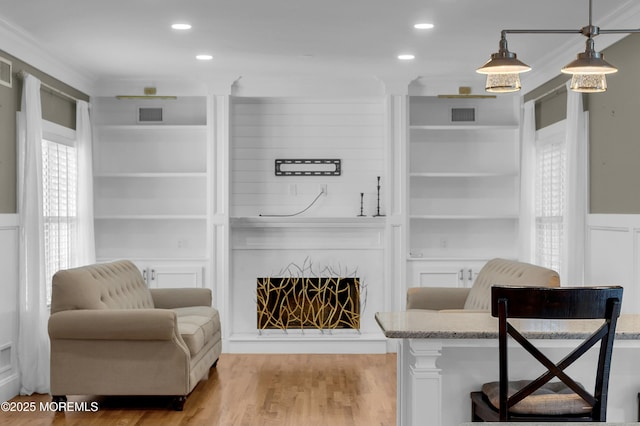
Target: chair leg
{"x": 474, "y": 416}
{"x": 178, "y": 402}
{"x": 59, "y": 401}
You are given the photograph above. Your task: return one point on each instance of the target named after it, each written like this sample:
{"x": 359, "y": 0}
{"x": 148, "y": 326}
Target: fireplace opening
{"x": 308, "y": 303}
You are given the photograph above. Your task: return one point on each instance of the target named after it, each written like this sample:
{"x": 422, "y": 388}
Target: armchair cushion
{"x": 197, "y": 325}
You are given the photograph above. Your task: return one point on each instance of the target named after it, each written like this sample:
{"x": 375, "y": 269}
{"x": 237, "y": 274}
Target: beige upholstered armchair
{"x": 478, "y": 297}
{"x": 112, "y": 335}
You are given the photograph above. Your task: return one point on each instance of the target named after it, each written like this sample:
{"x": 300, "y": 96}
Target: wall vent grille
{"x": 463, "y": 114}
{"x": 5, "y": 72}
{"x": 150, "y": 115}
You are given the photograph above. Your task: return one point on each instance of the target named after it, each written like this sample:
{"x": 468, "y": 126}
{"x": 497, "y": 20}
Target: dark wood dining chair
{"x": 563, "y": 400}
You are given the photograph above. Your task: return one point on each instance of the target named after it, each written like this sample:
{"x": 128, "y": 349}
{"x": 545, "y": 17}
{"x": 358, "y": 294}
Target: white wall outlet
{"x": 443, "y": 243}
{"x": 323, "y": 189}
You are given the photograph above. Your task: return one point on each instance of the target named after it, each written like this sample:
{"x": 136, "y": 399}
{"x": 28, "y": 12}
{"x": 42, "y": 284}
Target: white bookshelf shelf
{"x": 461, "y": 174}
{"x": 464, "y": 126}
{"x": 463, "y": 216}
{"x": 109, "y": 175}
{"x": 307, "y": 222}
{"x": 150, "y": 217}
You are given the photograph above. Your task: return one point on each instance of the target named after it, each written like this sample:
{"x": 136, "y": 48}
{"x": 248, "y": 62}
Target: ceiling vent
{"x": 150, "y": 115}
{"x": 5, "y": 72}
{"x": 463, "y": 115}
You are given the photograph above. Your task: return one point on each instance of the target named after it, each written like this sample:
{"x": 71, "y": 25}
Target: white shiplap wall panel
{"x": 264, "y": 129}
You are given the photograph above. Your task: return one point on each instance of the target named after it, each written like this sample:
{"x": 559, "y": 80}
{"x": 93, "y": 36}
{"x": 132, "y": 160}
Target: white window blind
{"x": 550, "y": 198}
{"x": 59, "y": 176}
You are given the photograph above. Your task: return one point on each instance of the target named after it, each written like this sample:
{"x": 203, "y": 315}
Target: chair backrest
{"x": 579, "y": 303}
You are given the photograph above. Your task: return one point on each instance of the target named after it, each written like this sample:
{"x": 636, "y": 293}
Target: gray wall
{"x": 614, "y": 134}
{"x": 614, "y": 116}
{"x": 54, "y": 108}
{"x": 551, "y": 101}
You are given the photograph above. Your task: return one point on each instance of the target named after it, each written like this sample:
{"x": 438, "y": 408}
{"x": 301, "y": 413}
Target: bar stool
{"x": 541, "y": 400}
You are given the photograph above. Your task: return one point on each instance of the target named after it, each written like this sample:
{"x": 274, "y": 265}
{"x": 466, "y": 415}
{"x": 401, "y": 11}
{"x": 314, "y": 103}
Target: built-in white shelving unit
{"x": 463, "y": 187}
{"x": 150, "y": 186}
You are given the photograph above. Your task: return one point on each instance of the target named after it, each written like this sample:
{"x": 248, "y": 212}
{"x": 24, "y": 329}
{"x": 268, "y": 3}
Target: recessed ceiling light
{"x": 204, "y": 57}
{"x": 423, "y": 26}
{"x": 181, "y": 26}
{"x": 406, "y": 57}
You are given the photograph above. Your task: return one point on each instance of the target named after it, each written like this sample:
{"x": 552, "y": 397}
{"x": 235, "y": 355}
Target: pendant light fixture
{"x": 588, "y": 69}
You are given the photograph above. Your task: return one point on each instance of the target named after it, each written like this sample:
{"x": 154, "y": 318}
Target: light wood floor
{"x": 265, "y": 390}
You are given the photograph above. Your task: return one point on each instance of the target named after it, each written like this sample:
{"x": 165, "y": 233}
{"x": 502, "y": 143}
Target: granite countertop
{"x": 417, "y": 324}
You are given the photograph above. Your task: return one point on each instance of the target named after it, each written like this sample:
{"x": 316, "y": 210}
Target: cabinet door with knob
{"x": 160, "y": 276}
{"x": 427, "y": 273}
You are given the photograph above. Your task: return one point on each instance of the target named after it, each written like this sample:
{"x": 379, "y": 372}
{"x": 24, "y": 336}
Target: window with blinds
{"x": 59, "y": 191}
{"x": 550, "y": 199}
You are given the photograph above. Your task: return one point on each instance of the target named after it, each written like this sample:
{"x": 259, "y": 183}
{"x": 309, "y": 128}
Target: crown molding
{"x": 17, "y": 42}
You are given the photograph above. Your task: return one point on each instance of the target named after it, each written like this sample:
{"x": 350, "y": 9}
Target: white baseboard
{"x": 309, "y": 343}
{"x": 9, "y": 387}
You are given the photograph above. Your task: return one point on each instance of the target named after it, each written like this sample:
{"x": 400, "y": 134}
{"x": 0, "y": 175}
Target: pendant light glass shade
{"x": 589, "y": 83}
{"x": 503, "y": 83}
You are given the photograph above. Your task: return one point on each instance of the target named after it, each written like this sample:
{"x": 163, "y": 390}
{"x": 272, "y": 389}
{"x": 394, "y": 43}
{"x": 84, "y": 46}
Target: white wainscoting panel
{"x": 9, "y": 378}
{"x": 613, "y": 255}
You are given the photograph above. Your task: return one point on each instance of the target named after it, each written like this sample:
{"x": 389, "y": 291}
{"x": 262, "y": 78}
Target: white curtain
{"x": 577, "y": 141}
{"x": 85, "y": 248}
{"x": 527, "y": 221}
{"x": 33, "y": 341}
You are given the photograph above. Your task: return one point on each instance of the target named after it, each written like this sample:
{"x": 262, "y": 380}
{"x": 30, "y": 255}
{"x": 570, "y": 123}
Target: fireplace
{"x": 322, "y": 303}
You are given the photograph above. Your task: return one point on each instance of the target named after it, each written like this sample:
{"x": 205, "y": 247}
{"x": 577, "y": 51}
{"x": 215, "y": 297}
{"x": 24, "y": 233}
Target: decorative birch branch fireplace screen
{"x": 298, "y": 301}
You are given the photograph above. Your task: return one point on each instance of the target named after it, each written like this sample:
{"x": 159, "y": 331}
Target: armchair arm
{"x": 113, "y": 324}
{"x": 170, "y": 298}
{"x": 436, "y": 298}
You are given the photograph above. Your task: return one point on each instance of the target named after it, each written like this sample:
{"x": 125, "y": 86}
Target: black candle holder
{"x": 361, "y": 205}
{"x": 378, "y": 209}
